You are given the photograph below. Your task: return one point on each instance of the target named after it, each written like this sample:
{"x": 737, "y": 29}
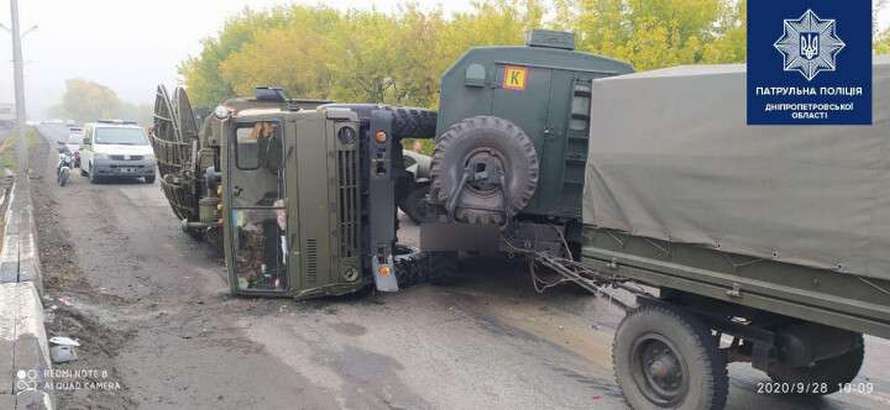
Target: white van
{"x": 116, "y": 149}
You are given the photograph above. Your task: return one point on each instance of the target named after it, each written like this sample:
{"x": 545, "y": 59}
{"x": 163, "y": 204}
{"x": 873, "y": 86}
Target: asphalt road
{"x": 152, "y": 309}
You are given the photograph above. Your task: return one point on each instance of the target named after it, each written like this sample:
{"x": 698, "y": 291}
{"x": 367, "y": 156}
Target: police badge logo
{"x": 809, "y": 45}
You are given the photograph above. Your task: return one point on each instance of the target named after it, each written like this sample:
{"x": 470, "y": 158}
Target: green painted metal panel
{"x": 541, "y": 105}
{"x": 822, "y": 296}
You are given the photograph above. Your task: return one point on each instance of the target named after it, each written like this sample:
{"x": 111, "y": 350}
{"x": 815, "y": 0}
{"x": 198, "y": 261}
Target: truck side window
{"x": 258, "y": 145}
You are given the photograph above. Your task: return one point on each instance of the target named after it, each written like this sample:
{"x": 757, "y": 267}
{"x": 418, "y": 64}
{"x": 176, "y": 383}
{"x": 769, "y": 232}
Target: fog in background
{"x": 131, "y": 46}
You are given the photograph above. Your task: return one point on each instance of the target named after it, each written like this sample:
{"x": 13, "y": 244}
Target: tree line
{"x": 85, "y": 101}
{"x": 373, "y": 56}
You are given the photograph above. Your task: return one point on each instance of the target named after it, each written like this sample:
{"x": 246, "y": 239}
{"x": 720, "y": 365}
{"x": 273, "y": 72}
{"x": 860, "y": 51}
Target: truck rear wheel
{"x": 830, "y": 373}
{"x": 665, "y": 357}
{"x": 484, "y": 145}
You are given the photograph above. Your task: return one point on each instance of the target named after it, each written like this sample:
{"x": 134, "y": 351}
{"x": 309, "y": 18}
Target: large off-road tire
{"x": 666, "y": 358}
{"x": 409, "y": 264}
{"x": 831, "y": 373}
{"x": 411, "y": 122}
{"x": 408, "y": 122}
{"x": 197, "y": 234}
{"x": 413, "y": 203}
{"x": 490, "y": 138}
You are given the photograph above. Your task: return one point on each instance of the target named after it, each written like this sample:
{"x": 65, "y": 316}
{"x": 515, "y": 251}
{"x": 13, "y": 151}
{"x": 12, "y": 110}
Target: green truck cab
{"x": 298, "y": 195}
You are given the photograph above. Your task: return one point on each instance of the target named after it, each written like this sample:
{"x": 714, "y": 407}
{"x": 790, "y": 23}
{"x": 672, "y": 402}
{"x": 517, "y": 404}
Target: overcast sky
{"x": 128, "y": 45}
{"x": 131, "y": 45}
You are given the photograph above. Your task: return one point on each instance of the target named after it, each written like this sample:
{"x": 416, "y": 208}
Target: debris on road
{"x": 62, "y": 349}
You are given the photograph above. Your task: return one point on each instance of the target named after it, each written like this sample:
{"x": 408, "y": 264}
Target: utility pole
{"x": 18, "y": 63}
{"x": 19, "y": 79}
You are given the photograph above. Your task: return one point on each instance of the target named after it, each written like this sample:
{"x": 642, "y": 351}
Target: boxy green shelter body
{"x": 545, "y": 89}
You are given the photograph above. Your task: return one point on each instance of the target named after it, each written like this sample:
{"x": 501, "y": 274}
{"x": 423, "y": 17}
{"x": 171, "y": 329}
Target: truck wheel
{"x": 833, "y": 372}
{"x": 195, "y": 233}
{"x": 415, "y": 206}
{"x": 408, "y": 261}
{"x": 484, "y": 141}
{"x": 664, "y": 357}
{"x": 409, "y": 122}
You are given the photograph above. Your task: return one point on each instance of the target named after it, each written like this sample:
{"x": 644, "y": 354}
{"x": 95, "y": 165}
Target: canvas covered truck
{"x": 765, "y": 244}
{"x": 298, "y": 194}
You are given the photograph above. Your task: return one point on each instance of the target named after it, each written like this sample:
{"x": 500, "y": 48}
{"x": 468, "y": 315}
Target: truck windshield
{"x": 121, "y": 136}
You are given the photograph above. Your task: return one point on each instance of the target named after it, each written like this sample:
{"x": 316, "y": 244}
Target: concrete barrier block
{"x": 24, "y": 352}
{"x": 9, "y": 253}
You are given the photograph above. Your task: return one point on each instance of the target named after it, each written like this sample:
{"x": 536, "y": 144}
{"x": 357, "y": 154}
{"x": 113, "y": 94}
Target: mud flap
{"x": 384, "y": 274}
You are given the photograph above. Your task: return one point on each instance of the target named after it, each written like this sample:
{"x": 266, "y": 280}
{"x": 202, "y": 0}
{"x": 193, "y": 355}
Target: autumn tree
{"x": 399, "y": 57}
{"x": 202, "y": 73}
{"x": 882, "y": 44}
{"x": 658, "y": 33}
{"x": 85, "y": 101}
{"x": 88, "y": 101}
{"x": 294, "y": 55}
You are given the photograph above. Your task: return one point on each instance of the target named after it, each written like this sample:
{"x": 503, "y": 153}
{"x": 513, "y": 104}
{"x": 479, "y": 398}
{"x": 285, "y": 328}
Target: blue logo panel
{"x": 809, "y": 62}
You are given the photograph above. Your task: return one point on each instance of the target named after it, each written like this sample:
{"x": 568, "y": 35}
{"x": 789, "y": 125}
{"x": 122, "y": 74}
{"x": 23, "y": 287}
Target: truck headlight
{"x": 99, "y": 155}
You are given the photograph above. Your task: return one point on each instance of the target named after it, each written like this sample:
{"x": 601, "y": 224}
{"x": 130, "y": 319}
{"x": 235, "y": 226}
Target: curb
{"x": 25, "y": 362}
{"x": 18, "y": 258}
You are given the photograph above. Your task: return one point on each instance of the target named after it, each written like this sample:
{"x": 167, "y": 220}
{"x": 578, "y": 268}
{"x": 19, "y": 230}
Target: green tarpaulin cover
{"x": 671, "y": 158}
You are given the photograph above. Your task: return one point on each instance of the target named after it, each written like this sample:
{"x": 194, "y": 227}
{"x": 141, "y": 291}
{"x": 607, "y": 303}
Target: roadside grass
{"x": 8, "y": 157}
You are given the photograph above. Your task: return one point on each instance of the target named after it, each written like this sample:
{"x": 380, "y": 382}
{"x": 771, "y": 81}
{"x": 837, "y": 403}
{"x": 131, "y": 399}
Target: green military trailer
{"x": 298, "y": 194}
{"x": 743, "y": 244}
{"x": 775, "y": 237}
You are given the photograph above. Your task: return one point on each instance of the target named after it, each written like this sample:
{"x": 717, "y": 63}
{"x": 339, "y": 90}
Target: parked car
{"x": 114, "y": 148}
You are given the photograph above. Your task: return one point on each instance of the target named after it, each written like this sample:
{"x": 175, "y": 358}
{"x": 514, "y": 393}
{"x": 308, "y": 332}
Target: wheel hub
{"x": 485, "y": 167}
{"x": 660, "y": 373}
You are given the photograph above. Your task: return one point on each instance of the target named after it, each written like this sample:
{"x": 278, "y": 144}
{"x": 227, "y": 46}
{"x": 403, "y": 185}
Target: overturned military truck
{"x": 765, "y": 245}
{"x": 298, "y": 194}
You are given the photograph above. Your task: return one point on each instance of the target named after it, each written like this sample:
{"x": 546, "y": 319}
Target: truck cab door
{"x": 256, "y": 197}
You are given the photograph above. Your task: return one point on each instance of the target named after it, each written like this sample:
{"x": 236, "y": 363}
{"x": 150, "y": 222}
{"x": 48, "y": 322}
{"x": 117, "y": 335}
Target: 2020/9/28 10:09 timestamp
{"x": 813, "y": 387}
